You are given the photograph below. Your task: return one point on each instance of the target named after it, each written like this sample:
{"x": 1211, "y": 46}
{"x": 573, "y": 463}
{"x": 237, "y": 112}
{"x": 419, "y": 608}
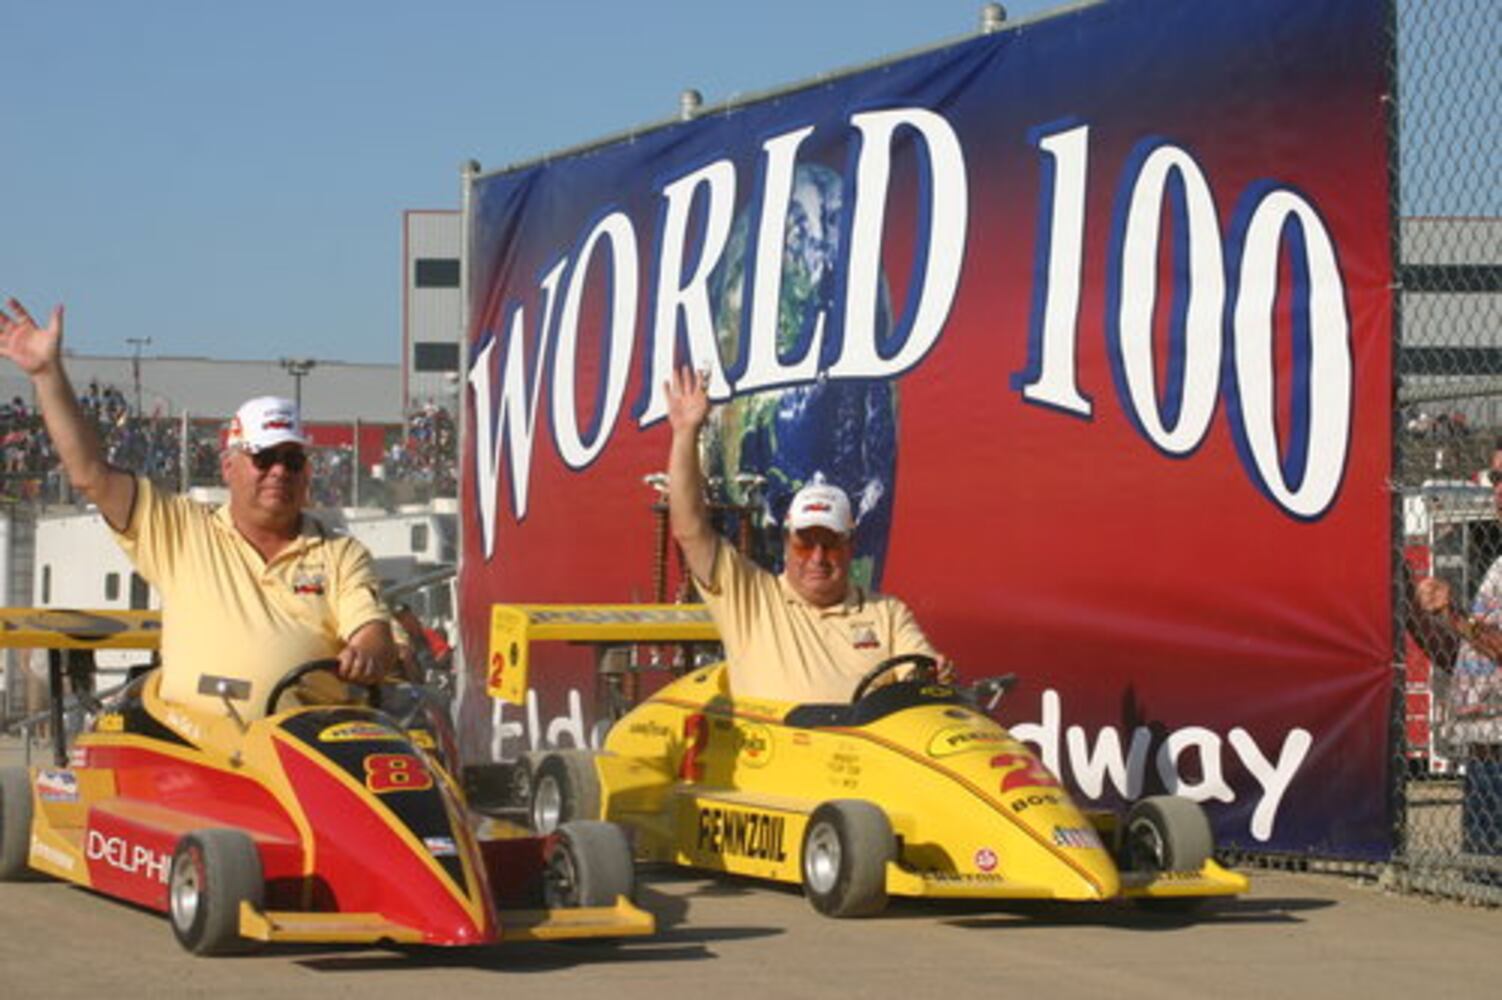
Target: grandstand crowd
{"x": 418, "y": 461}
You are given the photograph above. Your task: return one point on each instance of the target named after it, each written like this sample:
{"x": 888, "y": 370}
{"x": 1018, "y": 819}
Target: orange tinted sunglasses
{"x": 805, "y": 542}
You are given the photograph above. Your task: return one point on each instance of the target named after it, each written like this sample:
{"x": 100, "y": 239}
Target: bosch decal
{"x": 1025, "y": 802}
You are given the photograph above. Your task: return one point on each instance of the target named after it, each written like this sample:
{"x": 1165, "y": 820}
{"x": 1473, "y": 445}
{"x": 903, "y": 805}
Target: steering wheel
{"x": 327, "y": 665}
{"x": 927, "y": 670}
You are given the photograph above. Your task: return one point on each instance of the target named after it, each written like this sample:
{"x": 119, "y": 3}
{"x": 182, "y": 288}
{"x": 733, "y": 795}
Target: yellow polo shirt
{"x": 780, "y": 647}
{"x": 229, "y": 613}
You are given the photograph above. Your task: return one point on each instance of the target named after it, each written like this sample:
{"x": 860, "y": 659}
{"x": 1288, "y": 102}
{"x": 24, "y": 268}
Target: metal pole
{"x": 354, "y": 472}
{"x": 297, "y": 368}
{"x": 136, "y": 344}
{"x": 184, "y": 461}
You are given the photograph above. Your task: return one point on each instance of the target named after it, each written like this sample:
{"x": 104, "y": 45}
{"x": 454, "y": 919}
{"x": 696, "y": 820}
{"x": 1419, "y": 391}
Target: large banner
{"x": 1092, "y": 316}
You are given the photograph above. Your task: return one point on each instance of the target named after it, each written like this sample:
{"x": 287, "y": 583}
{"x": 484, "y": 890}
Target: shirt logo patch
{"x": 864, "y": 637}
{"x": 308, "y": 584}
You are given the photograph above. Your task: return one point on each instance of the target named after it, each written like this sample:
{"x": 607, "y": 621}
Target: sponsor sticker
{"x": 972, "y": 878}
{"x": 985, "y": 859}
{"x": 651, "y": 729}
{"x": 350, "y": 732}
{"x": 1023, "y": 803}
{"x": 57, "y": 786}
{"x": 441, "y": 847}
{"x": 742, "y": 833}
{"x": 308, "y": 584}
{"x": 184, "y": 725}
{"x": 962, "y": 739}
{"x": 1082, "y": 837}
{"x": 111, "y": 722}
{"x": 42, "y": 851}
{"x": 130, "y": 858}
{"x": 755, "y": 744}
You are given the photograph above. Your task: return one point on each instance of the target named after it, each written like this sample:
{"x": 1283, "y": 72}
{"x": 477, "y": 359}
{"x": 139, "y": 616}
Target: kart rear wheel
{"x": 564, "y": 787}
{"x": 846, "y": 847}
{"x": 590, "y": 866}
{"x": 213, "y": 872}
{"x": 15, "y": 824}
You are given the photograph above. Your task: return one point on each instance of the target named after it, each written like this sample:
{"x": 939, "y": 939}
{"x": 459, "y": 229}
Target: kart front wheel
{"x": 15, "y": 824}
{"x": 846, "y": 847}
{"x": 1166, "y": 833}
{"x": 213, "y": 872}
{"x": 564, "y": 787}
{"x": 590, "y": 866}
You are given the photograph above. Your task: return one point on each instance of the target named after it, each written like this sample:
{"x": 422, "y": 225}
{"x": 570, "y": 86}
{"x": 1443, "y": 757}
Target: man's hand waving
{"x": 33, "y": 348}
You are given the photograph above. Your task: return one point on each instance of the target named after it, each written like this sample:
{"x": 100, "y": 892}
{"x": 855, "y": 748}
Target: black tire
{"x": 1166, "y": 833}
{"x": 590, "y": 866}
{"x": 213, "y": 872}
{"x": 846, "y": 847}
{"x": 563, "y": 787}
{"x": 15, "y": 825}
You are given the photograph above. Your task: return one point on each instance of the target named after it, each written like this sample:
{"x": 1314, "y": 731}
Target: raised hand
{"x": 33, "y": 348}
{"x": 688, "y": 399}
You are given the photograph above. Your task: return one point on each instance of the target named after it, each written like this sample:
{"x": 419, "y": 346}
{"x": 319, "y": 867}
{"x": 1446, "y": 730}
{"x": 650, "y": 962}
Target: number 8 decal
{"x": 396, "y": 772}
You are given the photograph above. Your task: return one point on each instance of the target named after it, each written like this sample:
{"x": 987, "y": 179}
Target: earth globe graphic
{"x": 761, "y": 448}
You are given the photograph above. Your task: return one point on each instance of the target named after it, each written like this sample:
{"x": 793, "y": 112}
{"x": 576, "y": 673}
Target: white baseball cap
{"x": 820, "y": 505}
{"x": 265, "y": 422}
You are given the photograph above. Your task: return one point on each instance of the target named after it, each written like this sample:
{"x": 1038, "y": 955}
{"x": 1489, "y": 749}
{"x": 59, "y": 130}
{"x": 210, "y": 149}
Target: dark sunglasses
{"x": 291, "y": 459}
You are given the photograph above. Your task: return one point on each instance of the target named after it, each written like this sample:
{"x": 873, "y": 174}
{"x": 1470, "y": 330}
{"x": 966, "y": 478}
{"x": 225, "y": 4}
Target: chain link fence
{"x": 1448, "y": 449}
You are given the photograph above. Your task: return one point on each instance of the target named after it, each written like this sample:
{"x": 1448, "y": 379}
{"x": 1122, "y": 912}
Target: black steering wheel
{"x": 927, "y": 670}
{"x": 327, "y": 665}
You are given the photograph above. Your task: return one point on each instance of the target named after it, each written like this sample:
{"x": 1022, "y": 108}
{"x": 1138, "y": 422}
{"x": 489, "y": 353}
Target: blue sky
{"x": 228, "y": 178}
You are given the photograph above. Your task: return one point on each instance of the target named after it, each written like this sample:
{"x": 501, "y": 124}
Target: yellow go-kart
{"x": 911, "y": 789}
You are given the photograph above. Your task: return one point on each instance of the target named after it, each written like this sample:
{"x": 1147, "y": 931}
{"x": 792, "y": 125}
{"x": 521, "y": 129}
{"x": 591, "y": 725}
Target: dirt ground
{"x": 1294, "y": 935}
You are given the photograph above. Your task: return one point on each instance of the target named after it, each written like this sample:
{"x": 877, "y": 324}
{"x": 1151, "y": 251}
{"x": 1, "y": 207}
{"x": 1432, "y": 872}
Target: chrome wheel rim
{"x": 821, "y": 858}
{"x": 185, "y": 893}
{"x": 547, "y": 805}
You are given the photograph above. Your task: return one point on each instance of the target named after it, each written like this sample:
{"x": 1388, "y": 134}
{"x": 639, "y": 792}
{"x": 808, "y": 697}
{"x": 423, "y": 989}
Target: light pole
{"x": 297, "y": 368}
{"x": 136, "y": 343}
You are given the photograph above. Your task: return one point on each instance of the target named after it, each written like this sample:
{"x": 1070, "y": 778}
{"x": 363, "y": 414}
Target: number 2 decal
{"x": 695, "y": 739}
{"x": 1022, "y": 771}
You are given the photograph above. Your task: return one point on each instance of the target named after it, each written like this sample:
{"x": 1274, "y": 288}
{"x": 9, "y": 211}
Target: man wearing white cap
{"x": 249, "y": 590}
{"x": 808, "y": 635}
